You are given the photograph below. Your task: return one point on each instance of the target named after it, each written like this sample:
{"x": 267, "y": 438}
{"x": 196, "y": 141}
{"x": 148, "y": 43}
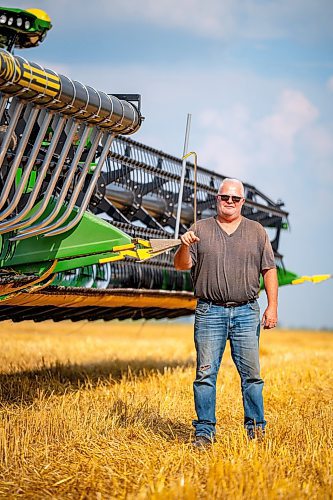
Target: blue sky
{"x": 257, "y": 76}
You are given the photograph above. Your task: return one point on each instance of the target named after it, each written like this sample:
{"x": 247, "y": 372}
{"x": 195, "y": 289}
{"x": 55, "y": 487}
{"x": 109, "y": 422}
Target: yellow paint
{"x": 11, "y": 69}
{"x": 40, "y": 14}
{"x": 313, "y": 279}
{"x": 111, "y": 259}
{"x": 144, "y": 243}
{"x": 144, "y": 253}
{"x": 130, "y": 253}
{"x": 41, "y": 72}
{"x": 120, "y": 248}
{"x": 43, "y": 81}
{"x": 38, "y": 88}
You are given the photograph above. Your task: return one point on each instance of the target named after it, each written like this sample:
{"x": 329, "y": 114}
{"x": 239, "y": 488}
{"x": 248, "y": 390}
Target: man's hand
{"x": 189, "y": 238}
{"x": 183, "y": 260}
{"x": 269, "y": 318}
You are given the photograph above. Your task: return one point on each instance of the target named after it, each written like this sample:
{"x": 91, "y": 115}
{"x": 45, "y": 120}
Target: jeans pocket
{"x": 202, "y": 307}
{"x": 254, "y": 306}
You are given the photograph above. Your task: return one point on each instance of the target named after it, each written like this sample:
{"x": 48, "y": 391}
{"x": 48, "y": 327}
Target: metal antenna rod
{"x": 181, "y": 187}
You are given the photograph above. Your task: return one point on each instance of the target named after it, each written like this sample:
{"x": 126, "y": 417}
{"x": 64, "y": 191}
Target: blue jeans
{"x": 213, "y": 326}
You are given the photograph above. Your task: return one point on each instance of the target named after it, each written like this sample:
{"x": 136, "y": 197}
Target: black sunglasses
{"x": 226, "y": 197}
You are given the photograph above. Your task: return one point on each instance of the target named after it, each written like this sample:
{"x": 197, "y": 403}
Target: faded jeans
{"x": 213, "y": 326}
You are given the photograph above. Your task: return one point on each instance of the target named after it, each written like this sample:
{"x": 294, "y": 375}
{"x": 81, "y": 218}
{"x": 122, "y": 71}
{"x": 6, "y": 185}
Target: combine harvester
{"x": 81, "y": 203}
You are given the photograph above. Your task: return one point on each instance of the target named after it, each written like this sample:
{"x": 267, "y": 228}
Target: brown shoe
{"x": 202, "y": 441}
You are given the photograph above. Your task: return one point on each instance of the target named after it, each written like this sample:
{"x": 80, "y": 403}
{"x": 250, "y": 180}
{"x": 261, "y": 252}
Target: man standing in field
{"x": 226, "y": 255}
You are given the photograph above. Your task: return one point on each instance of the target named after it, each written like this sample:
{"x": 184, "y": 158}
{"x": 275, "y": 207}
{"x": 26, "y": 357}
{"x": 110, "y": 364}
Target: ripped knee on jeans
{"x": 203, "y": 368}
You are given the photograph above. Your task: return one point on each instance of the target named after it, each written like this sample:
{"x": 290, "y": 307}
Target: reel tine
{"x": 71, "y": 128}
{"x": 45, "y": 118}
{"x": 57, "y": 125}
{"x": 30, "y": 116}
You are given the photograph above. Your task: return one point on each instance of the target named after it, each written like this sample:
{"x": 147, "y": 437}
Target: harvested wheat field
{"x": 104, "y": 410}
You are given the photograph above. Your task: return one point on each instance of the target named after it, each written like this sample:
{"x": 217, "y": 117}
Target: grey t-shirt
{"x": 226, "y": 267}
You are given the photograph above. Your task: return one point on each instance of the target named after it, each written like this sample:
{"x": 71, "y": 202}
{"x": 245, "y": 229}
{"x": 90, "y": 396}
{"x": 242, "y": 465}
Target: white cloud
{"x": 224, "y": 156}
{"x": 246, "y": 145}
{"x": 293, "y": 114}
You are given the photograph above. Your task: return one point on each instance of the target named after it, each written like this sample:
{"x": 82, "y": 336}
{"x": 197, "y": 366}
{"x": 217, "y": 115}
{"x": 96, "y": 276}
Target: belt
{"x": 229, "y": 304}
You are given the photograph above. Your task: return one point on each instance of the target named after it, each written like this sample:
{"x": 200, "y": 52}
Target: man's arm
{"x": 269, "y": 319}
{"x": 183, "y": 259}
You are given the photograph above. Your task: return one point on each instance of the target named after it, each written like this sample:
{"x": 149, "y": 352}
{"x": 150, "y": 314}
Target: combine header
{"x": 81, "y": 203}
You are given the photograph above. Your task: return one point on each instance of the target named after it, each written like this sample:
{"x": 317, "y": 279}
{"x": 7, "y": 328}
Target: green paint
{"x": 36, "y": 23}
{"x": 285, "y": 277}
{"x": 30, "y": 182}
{"x": 91, "y": 236}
